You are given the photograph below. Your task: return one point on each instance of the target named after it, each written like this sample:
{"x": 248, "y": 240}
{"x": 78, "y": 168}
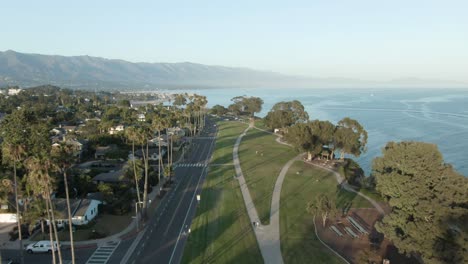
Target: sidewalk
{"x": 268, "y": 236}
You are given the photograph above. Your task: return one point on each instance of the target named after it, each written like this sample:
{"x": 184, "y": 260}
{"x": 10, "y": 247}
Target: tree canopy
{"x": 250, "y": 105}
{"x": 429, "y": 202}
{"x": 284, "y": 114}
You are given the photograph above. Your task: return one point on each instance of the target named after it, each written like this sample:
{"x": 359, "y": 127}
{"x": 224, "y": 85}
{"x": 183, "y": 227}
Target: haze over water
{"x": 435, "y": 116}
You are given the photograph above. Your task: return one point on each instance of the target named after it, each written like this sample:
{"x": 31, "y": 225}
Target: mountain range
{"x": 86, "y": 72}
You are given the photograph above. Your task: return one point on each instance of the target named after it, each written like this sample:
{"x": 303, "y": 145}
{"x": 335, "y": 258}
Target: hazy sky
{"x": 373, "y": 39}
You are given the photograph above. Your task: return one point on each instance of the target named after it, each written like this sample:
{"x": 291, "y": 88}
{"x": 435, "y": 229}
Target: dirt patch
{"x": 350, "y": 247}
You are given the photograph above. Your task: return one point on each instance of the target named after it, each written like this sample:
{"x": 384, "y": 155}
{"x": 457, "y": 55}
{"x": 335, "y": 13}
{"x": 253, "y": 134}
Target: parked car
{"x": 42, "y": 246}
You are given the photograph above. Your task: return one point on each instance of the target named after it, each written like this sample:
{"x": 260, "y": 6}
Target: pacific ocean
{"x": 438, "y": 116}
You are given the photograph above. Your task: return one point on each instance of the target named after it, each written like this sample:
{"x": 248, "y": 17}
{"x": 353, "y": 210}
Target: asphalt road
{"x": 81, "y": 256}
{"x": 164, "y": 238}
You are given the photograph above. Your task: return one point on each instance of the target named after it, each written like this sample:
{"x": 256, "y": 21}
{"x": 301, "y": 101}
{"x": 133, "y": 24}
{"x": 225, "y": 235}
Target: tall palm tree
{"x": 64, "y": 159}
{"x": 15, "y": 154}
{"x": 41, "y": 183}
{"x": 132, "y": 134}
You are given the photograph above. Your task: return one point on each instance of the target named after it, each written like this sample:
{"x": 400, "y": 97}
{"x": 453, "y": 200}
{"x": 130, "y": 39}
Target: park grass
{"x": 221, "y": 231}
{"x": 260, "y": 123}
{"x": 227, "y": 136}
{"x": 301, "y": 185}
{"x": 261, "y": 169}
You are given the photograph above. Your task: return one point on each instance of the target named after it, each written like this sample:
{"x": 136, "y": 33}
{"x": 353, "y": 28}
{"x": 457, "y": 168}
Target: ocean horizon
{"x": 438, "y": 116}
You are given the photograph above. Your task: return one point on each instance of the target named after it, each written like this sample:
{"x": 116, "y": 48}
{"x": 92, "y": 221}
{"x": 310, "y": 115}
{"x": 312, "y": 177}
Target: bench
{"x": 357, "y": 225}
{"x": 337, "y": 231}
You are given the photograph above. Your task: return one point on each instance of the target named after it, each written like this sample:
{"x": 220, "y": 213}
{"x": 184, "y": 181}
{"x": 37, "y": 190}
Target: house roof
{"x": 112, "y": 176}
{"x": 60, "y": 205}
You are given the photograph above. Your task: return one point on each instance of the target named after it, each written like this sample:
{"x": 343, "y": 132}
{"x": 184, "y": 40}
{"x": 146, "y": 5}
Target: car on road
{"x": 43, "y": 246}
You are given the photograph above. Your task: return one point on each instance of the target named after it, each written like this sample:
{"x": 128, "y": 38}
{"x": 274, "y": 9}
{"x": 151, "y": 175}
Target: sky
{"x": 370, "y": 40}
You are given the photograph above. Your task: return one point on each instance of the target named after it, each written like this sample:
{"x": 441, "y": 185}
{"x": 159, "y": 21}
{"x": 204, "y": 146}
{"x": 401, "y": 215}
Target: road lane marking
{"x": 188, "y": 211}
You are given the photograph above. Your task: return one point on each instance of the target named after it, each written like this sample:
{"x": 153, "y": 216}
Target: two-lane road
{"x": 164, "y": 238}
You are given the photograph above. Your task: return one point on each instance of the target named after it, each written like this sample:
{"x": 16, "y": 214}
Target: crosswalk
{"x": 103, "y": 253}
{"x": 186, "y": 165}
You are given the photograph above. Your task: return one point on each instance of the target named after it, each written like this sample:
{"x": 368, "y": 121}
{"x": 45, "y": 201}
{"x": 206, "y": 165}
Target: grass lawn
{"x": 227, "y": 135}
{"x": 261, "y": 169}
{"x": 105, "y": 224}
{"x": 260, "y": 123}
{"x": 302, "y": 184}
{"x": 221, "y": 230}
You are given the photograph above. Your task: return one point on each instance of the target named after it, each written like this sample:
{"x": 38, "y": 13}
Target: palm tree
{"x": 63, "y": 155}
{"x": 132, "y": 134}
{"x": 41, "y": 183}
{"x": 159, "y": 123}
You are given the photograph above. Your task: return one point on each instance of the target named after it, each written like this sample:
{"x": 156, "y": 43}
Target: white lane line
{"x": 188, "y": 211}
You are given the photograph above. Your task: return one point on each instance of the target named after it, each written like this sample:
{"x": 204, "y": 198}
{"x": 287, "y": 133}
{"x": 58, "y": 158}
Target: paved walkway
{"x": 268, "y": 236}
{"x": 348, "y": 187}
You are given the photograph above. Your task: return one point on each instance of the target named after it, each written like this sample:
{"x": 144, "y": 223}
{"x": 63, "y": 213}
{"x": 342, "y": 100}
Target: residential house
{"x": 101, "y": 151}
{"x": 116, "y": 129}
{"x": 114, "y": 176}
{"x": 153, "y": 153}
{"x": 141, "y": 117}
{"x": 82, "y": 211}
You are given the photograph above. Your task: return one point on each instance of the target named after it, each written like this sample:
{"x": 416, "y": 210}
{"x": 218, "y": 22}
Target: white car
{"x": 42, "y": 246}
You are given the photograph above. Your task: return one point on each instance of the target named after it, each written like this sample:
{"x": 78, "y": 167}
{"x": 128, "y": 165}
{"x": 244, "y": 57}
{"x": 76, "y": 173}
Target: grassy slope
{"x": 298, "y": 241}
{"x": 260, "y": 172}
{"x": 221, "y": 230}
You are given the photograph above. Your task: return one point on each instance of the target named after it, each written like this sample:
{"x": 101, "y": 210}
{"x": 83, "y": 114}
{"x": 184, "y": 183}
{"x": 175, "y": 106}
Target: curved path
{"x": 268, "y": 236}
{"x": 349, "y": 188}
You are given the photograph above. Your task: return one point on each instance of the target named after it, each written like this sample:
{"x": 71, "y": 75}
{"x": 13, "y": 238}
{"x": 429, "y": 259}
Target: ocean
{"x": 437, "y": 116}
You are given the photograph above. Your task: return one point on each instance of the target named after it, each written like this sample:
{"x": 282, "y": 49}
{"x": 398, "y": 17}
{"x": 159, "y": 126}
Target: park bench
{"x": 337, "y": 231}
{"x": 351, "y": 232}
{"x": 357, "y": 225}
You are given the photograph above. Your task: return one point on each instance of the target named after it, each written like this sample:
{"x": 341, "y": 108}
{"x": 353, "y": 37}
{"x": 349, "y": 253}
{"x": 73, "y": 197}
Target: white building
{"x": 82, "y": 211}
{"x": 116, "y": 129}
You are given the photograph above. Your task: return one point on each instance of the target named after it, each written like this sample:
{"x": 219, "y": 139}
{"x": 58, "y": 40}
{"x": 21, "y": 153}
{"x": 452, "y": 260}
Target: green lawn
{"x": 260, "y": 123}
{"x": 302, "y": 184}
{"x": 227, "y": 135}
{"x": 261, "y": 169}
{"x": 221, "y": 230}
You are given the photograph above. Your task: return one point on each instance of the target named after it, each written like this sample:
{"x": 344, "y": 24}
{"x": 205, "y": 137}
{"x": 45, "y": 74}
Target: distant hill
{"x": 87, "y": 72}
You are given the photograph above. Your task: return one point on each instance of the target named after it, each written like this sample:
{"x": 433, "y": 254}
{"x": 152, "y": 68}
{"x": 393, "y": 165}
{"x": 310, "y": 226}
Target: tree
{"x": 132, "y": 134}
{"x": 179, "y": 100}
{"x": 250, "y": 105}
{"x": 41, "y": 183}
{"x": 325, "y": 206}
{"x": 284, "y": 114}
{"x": 16, "y": 131}
{"x": 64, "y": 159}
{"x": 219, "y": 110}
{"x": 302, "y": 138}
{"x": 369, "y": 256}
{"x": 428, "y": 199}
{"x": 350, "y": 137}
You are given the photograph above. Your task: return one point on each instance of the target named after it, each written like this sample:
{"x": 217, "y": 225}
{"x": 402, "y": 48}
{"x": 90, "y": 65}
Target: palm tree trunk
{"x": 52, "y": 245}
{"x": 18, "y": 217}
{"x": 145, "y": 188}
{"x": 159, "y": 157}
{"x": 70, "y": 224}
{"x": 52, "y": 214}
{"x": 135, "y": 173}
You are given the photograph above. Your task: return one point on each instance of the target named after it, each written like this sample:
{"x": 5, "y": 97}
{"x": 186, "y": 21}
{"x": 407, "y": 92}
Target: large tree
{"x": 284, "y": 114}
{"x": 429, "y": 202}
{"x": 324, "y": 206}
{"x": 247, "y": 104}
{"x": 350, "y": 137}
{"x": 302, "y": 138}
